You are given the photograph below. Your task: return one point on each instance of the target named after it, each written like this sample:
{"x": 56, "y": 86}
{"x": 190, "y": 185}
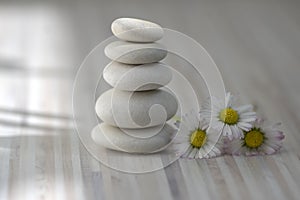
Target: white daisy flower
{"x": 228, "y": 117}
{"x": 194, "y": 140}
{"x": 259, "y": 140}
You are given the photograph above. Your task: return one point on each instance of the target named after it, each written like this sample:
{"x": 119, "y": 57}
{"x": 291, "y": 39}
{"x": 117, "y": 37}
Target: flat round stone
{"x": 136, "y": 30}
{"x": 135, "y": 53}
{"x": 137, "y": 77}
{"x": 117, "y": 139}
{"x": 136, "y": 109}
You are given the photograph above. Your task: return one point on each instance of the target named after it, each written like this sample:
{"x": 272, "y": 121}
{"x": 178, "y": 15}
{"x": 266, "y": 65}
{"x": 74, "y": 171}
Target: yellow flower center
{"x": 229, "y": 116}
{"x": 254, "y": 138}
{"x": 198, "y": 138}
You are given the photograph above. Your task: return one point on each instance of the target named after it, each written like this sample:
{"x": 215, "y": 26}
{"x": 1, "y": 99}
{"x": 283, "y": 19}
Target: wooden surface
{"x": 255, "y": 44}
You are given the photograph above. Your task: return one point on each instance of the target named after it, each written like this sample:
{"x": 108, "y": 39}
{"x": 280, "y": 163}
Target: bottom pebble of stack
{"x": 146, "y": 140}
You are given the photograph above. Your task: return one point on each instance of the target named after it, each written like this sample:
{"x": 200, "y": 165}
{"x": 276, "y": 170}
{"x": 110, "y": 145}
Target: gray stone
{"x": 136, "y": 30}
{"x": 117, "y": 139}
{"x": 136, "y": 109}
{"x": 135, "y": 53}
{"x": 137, "y": 78}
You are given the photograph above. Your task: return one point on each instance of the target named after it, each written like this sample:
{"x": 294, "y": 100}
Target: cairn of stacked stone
{"x": 134, "y": 112}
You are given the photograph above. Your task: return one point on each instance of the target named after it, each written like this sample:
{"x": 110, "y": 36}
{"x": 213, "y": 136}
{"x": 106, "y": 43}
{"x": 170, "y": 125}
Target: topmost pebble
{"x": 136, "y": 30}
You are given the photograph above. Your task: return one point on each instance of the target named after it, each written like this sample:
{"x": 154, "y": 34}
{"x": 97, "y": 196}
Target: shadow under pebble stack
{"x": 134, "y": 112}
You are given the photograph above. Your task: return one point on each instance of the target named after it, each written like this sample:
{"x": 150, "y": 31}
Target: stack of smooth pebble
{"x": 134, "y": 112}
